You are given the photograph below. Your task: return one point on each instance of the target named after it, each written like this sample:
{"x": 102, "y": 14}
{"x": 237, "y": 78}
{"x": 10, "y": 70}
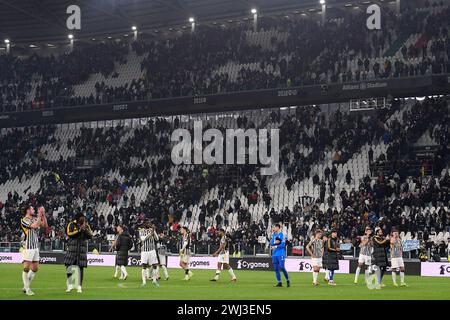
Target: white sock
{"x": 367, "y": 274}
{"x": 124, "y": 271}
{"x": 231, "y": 272}
{"x": 25, "y": 280}
{"x": 327, "y": 275}
{"x": 31, "y": 275}
{"x": 144, "y": 276}
{"x": 69, "y": 278}
{"x": 402, "y": 277}
{"x": 69, "y": 282}
{"x": 154, "y": 274}
{"x": 394, "y": 277}
{"x": 166, "y": 274}
{"x": 78, "y": 280}
{"x": 217, "y": 274}
{"x": 358, "y": 271}
{"x": 315, "y": 275}
{"x": 117, "y": 271}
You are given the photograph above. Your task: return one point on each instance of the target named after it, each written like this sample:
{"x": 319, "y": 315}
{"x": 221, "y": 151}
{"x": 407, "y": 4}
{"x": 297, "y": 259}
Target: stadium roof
{"x": 45, "y": 20}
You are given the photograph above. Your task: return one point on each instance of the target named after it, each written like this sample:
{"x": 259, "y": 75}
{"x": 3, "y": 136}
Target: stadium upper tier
{"x": 337, "y": 169}
{"x": 282, "y": 53}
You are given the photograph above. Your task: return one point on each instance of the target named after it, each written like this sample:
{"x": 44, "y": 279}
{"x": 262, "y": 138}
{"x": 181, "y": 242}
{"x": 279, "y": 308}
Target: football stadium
{"x": 226, "y": 150}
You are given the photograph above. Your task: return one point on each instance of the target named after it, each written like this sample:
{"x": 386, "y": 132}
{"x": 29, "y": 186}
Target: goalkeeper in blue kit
{"x": 278, "y": 247}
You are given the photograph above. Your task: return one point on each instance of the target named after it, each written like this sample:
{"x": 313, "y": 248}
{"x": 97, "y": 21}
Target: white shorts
{"x": 316, "y": 262}
{"x": 367, "y": 260}
{"x": 184, "y": 258}
{"x": 31, "y": 255}
{"x": 397, "y": 263}
{"x": 224, "y": 258}
{"x": 149, "y": 257}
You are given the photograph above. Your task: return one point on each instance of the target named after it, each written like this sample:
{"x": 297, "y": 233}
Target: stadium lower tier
{"x": 49, "y": 284}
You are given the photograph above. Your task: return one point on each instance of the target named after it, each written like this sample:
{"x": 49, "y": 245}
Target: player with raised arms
{"x": 78, "y": 233}
{"x": 149, "y": 239}
{"x": 162, "y": 257}
{"x": 224, "y": 257}
{"x": 380, "y": 253}
{"x": 30, "y": 225}
{"x": 365, "y": 255}
{"x": 397, "y": 264}
{"x": 278, "y": 248}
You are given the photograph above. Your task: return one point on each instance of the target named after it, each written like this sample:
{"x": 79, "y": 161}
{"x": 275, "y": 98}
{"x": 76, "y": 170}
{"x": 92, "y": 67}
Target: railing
{"x": 291, "y": 96}
{"x": 409, "y": 170}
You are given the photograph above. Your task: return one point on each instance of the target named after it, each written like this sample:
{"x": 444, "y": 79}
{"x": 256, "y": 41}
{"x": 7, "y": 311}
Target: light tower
{"x": 134, "y": 29}
{"x": 255, "y": 19}
{"x": 192, "y": 21}
{"x": 324, "y": 10}
{"x": 8, "y": 45}
{"x": 70, "y": 36}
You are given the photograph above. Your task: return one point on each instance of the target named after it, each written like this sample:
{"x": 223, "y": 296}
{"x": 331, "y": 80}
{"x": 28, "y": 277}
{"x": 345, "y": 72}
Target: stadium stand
{"x": 338, "y": 168}
{"x": 282, "y": 53}
{"x": 342, "y": 169}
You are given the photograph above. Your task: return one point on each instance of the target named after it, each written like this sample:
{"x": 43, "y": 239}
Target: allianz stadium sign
{"x": 364, "y": 85}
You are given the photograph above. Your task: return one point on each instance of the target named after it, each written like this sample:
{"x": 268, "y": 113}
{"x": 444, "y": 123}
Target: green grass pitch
{"x": 99, "y": 283}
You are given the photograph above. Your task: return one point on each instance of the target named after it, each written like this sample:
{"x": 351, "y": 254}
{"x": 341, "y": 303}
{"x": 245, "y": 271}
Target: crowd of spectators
{"x": 54, "y": 76}
{"x": 190, "y": 64}
{"x": 143, "y": 158}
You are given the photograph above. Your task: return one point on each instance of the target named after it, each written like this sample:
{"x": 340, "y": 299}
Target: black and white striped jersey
{"x": 226, "y": 242}
{"x": 31, "y": 235}
{"x": 162, "y": 249}
{"x": 366, "y": 249}
{"x": 185, "y": 244}
{"x": 149, "y": 239}
{"x": 396, "y": 248}
{"x": 316, "y": 246}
